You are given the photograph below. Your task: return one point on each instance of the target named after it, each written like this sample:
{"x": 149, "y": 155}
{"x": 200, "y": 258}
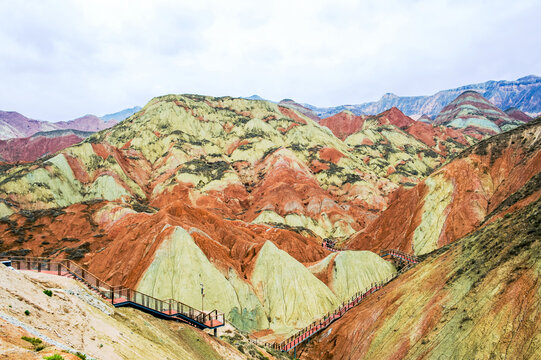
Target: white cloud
{"x": 61, "y": 59}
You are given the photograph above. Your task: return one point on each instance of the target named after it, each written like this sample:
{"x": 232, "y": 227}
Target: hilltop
{"x": 475, "y": 114}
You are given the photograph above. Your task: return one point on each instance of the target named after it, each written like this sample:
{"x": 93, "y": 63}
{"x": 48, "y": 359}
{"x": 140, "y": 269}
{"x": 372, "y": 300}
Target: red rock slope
{"x": 441, "y": 139}
{"x": 518, "y": 115}
{"x": 39, "y": 144}
{"x": 344, "y": 123}
{"x": 459, "y": 197}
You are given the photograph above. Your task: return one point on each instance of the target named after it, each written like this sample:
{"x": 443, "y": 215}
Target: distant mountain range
{"x": 121, "y": 115}
{"x": 16, "y": 125}
{"x": 523, "y": 94}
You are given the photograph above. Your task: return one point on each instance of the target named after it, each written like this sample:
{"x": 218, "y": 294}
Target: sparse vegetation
{"x": 27, "y": 312}
{"x": 78, "y": 252}
{"x": 252, "y": 351}
{"x": 80, "y": 355}
{"x": 54, "y": 357}
{"x": 48, "y": 292}
{"x": 36, "y": 343}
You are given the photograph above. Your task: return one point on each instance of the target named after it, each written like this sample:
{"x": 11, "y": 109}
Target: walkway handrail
{"x": 117, "y": 294}
{"x": 399, "y": 254}
{"x": 321, "y": 324}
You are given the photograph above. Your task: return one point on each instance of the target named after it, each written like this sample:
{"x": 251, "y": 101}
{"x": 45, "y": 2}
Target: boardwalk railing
{"x": 119, "y": 295}
{"x": 319, "y": 325}
{"x": 400, "y": 255}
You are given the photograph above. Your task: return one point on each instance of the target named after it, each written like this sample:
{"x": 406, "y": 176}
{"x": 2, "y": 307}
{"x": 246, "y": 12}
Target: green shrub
{"x": 80, "y": 356}
{"x": 26, "y": 312}
{"x": 54, "y": 357}
{"x": 31, "y": 340}
{"x": 37, "y": 343}
{"x": 48, "y": 292}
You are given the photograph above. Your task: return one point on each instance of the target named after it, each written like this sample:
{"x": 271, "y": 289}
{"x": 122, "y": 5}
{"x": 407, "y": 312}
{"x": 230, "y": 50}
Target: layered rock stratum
{"x": 473, "y": 189}
{"x": 239, "y": 194}
{"x": 475, "y": 114}
{"x": 233, "y": 193}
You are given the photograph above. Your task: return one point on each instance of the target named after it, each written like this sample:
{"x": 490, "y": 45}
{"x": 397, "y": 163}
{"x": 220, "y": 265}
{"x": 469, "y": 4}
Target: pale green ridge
{"x": 62, "y": 164}
{"x": 355, "y": 271}
{"x": 302, "y": 221}
{"x": 256, "y": 150}
{"x": 322, "y": 264}
{"x": 439, "y": 196}
{"x": 358, "y": 137}
{"x": 178, "y": 267}
{"x": 268, "y": 217}
{"x": 105, "y": 187}
{"x": 291, "y": 294}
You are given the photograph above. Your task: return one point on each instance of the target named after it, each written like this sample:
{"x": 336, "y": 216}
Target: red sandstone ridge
{"x": 478, "y": 186}
{"x": 40, "y": 144}
{"x": 442, "y": 139}
{"x": 330, "y": 154}
{"x": 344, "y": 124}
{"x": 395, "y": 117}
{"x": 518, "y": 115}
{"x": 436, "y": 136}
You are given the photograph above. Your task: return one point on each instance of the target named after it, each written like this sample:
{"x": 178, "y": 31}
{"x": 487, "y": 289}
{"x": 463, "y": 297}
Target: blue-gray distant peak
{"x": 121, "y": 115}
{"x": 523, "y": 94}
{"x": 255, "y": 97}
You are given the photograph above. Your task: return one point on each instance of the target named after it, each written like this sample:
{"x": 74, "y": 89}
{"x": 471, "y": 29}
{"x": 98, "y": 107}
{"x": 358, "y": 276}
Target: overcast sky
{"x": 63, "y": 59}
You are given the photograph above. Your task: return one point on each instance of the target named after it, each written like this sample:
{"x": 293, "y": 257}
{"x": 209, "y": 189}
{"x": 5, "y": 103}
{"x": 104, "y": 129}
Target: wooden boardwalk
{"x": 121, "y": 296}
{"x": 319, "y": 325}
{"x": 175, "y": 310}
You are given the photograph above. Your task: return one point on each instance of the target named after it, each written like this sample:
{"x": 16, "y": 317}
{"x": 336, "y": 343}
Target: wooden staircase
{"x": 118, "y": 295}
{"x": 292, "y": 342}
